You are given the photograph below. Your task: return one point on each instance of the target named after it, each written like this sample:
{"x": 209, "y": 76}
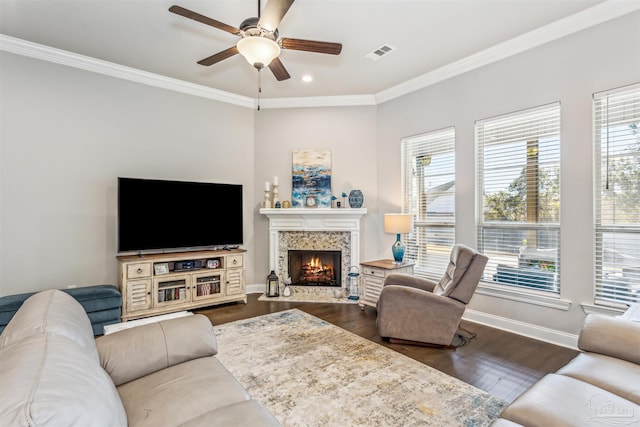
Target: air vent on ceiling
{"x": 383, "y": 50}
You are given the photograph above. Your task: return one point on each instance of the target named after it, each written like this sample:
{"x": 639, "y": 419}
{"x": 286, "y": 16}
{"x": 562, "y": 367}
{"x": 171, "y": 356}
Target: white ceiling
{"x": 428, "y": 35}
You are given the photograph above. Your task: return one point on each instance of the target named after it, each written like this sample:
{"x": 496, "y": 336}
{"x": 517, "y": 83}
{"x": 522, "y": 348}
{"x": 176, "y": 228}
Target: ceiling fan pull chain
{"x": 259, "y": 87}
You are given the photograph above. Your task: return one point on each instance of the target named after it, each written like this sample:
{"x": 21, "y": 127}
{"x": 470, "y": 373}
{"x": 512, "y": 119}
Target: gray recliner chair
{"x": 414, "y": 310}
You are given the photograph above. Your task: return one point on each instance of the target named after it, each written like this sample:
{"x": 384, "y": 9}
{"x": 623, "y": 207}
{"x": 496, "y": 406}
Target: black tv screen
{"x": 159, "y": 215}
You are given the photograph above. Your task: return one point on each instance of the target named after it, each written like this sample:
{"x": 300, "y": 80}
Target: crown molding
{"x": 595, "y": 15}
{"x": 318, "y": 101}
{"x": 87, "y": 63}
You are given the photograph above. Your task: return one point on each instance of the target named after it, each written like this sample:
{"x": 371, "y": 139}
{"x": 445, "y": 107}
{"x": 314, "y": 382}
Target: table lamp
{"x": 398, "y": 224}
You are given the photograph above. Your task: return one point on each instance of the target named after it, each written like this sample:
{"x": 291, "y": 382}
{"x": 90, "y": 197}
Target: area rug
{"x": 308, "y": 372}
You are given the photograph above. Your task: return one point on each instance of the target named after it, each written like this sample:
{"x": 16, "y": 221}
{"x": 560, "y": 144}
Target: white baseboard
{"x": 541, "y": 333}
{"x": 255, "y": 288}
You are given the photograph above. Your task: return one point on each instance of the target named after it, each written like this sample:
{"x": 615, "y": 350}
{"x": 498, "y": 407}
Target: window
{"x": 428, "y": 188}
{"x": 519, "y": 198}
{"x": 617, "y": 195}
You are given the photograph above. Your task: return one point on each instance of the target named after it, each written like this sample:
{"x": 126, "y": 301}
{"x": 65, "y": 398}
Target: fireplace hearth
{"x": 315, "y": 267}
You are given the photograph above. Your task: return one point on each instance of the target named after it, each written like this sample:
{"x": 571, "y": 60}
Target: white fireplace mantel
{"x": 319, "y": 219}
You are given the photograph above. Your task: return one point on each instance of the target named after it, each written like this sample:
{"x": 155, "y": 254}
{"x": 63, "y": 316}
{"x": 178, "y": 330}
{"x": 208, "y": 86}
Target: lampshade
{"x": 398, "y": 223}
{"x": 258, "y": 51}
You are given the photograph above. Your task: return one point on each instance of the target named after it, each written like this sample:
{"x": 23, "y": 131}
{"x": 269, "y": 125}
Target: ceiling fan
{"x": 260, "y": 42}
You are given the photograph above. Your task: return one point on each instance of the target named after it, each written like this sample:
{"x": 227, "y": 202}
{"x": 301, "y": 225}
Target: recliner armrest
{"x": 417, "y": 315}
{"x": 611, "y": 336}
{"x": 402, "y": 279}
{"x": 133, "y": 353}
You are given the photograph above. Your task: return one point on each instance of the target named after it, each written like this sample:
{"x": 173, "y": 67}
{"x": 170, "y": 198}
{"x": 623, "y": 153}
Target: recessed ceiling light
{"x": 307, "y": 78}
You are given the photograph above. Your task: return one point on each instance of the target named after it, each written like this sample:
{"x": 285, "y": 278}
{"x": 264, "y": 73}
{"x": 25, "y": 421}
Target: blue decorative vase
{"x": 356, "y": 199}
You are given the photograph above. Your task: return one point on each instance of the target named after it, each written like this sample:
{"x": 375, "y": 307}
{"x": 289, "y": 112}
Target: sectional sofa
{"x": 599, "y": 387}
{"x": 54, "y": 373}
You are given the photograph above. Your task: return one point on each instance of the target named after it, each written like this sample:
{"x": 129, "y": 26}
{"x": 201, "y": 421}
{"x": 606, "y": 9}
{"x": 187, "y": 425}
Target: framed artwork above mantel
{"x": 311, "y": 179}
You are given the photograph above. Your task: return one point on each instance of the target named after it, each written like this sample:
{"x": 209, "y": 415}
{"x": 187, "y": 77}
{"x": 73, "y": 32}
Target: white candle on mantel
{"x": 275, "y": 180}
{"x": 266, "y": 186}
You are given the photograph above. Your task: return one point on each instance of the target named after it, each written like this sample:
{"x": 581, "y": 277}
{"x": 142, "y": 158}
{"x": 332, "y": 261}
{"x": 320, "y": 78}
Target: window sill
{"x": 521, "y": 295}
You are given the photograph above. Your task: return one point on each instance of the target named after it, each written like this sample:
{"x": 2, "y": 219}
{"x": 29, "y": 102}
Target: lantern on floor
{"x": 272, "y": 285}
{"x": 353, "y": 282}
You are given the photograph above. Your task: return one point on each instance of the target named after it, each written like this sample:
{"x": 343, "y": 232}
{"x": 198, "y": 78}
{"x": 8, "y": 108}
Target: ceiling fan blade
{"x": 311, "y": 46}
{"x": 219, "y": 56}
{"x": 204, "y": 19}
{"x": 278, "y": 70}
{"x": 273, "y": 13}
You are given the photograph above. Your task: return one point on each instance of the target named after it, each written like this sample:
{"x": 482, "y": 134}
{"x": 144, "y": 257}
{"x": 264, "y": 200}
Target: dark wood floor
{"x": 499, "y": 362}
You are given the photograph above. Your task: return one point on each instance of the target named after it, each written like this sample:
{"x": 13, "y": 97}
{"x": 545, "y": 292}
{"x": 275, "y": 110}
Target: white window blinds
{"x": 428, "y": 188}
{"x": 617, "y": 194}
{"x": 519, "y": 197}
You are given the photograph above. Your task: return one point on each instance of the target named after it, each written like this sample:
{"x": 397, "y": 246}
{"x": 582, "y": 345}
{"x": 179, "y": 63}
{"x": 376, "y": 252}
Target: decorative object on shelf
{"x": 311, "y": 201}
{"x": 287, "y": 287}
{"x": 353, "y": 282}
{"x": 398, "y": 223}
{"x": 278, "y": 205}
{"x": 274, "y": 191}
{"x": 160, "y": 268}
{"x": 286, "y": 204}
{"x": 344, "y": 200}
{"x": 213, "y": 263}
{"x": 356, "y": 199}
{"x": 272, "y": 285}
{"x": 311, "y": 175}
{"x": 267, "y": 196}
{"x": 334, "y": 202}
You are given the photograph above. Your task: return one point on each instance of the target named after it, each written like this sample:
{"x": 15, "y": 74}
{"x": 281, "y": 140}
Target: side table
{"x": 373, "y": 275}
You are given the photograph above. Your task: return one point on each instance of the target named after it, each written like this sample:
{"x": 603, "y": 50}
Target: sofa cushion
{"x": 501, "y": 422}
{"x": 166, "y": 343}
{"x": 96, "y": 297}
{"x": 559, "y": 400}
{"x": 615, "y": 375}
{"x": 612, "y": 336}
{"x": 248, "y": 413}
{"x": 180, "y": 393}
{"x": 49, "y": 379}
{"x": 51, "y": 312}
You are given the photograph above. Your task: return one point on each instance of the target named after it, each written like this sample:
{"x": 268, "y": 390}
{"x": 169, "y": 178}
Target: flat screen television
{"x": 157, "y": 215}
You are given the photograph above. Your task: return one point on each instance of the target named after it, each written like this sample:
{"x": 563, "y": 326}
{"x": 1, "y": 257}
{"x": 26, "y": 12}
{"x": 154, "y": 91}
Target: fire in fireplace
{"x": 315, "y": 267}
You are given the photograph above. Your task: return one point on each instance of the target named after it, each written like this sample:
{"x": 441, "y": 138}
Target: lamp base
{"x": 398, "y": 251}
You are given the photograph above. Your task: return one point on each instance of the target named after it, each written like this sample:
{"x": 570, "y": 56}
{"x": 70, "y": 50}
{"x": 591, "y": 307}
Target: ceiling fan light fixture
{"x": 258, "y": 51}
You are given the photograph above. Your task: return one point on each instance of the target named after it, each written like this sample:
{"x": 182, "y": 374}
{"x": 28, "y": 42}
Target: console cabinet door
{"x": 235, "y": 281}
{"x": 206, "y": 286}
{"x": 138, "y": 295}
{"x": 172, "y": 290}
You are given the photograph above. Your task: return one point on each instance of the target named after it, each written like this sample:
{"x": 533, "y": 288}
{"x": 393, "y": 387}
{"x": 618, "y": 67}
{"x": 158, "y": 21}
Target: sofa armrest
{"x": 611, "y": 336}
{"x": 135, "y": 352}
{"x": 403, "y": 279}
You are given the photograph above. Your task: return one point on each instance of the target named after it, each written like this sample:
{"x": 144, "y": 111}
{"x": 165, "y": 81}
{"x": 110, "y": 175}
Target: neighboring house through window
{"x": 519, "y": 198}
{"x": 617, "y": 195}
{"x": 428, "y": 193}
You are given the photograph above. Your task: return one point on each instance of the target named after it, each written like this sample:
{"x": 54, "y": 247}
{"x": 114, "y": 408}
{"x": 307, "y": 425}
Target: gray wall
{"x": 350, "y": 134}
{"x": 68, "y": 134}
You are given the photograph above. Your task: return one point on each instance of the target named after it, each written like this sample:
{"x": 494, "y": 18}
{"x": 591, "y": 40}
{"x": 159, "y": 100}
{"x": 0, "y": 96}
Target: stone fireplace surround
{"x": 313, "y": 229}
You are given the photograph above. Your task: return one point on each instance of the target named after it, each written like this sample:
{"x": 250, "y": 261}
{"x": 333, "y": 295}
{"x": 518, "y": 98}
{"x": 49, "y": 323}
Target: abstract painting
{"x": 311, "y": 177}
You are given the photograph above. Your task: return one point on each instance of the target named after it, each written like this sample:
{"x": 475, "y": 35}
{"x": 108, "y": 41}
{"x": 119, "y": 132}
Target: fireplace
{"x": 315, "y": 267}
